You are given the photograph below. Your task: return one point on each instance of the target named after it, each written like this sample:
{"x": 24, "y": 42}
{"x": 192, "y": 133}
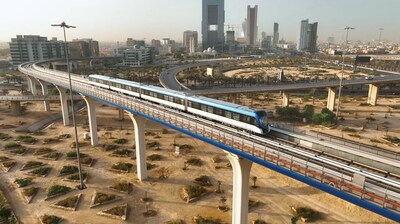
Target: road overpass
{"x": 168, "y": 80}
{"x": 376, "y": 192}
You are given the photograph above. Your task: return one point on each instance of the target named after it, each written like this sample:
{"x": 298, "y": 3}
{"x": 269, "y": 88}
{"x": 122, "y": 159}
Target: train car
{"x": 170, "y": 98}
{"x": 232, "y": 114}
{"x": 115, "y": 84}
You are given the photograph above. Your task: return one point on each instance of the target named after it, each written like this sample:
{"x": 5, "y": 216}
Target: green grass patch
{"x": 23, "y": 182}
{"x": 122, "y": 166}
{"x": 121, "y": 186}
{"x": 65, "y": 170}
{"x": 101, "y": 198}
{"x": 120, "y": 141}
{"x": 29, "y": 192}
{"x": 42, "y": 151}
{"x": 4, "y": 136}
{"x": 57, "y": 189}
{"x": 42, "y": 171}
{"x": 76, "y": 176}
{"x": 121, "y": 152}
{"x": 68, "y": 202}
{"x": 12, "y": 145}
{"x": 110, "y": 147}
{"x": 27, "y": 139}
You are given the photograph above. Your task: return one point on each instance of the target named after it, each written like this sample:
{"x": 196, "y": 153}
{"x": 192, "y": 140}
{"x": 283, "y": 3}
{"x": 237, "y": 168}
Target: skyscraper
{"x": 212, "y": 24}
{"x": 302, "y": 37}
{"x": 276, "y": 34}
{"x": 307, "y": 39}
{"x": 190, "y": 40}
{"x": 312, "y": 37}
{"x": 251, "y": 34}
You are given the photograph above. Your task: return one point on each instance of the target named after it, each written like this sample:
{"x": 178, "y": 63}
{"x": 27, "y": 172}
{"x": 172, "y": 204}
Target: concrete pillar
{"x": 241, "y": 176}
{"x": 91, "y": 108}
{"x": 32, "y": 83}
{"x": 28, "y": 82}
{"x": 373, "y": 94}
{"x": 138, "y": 123}
{"x": 45, "y": 92}
{"x": 285, "y": 98}
{"x": 120, "y": 114}
{"x": 16, "y": 108}
{"x": 330, "y": 103}
{"x": 64, "y": 105}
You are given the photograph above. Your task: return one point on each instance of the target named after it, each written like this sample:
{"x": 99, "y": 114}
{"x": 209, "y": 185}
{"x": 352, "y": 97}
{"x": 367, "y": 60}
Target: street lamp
{"x": 81, "y": 184}
{"x": 347, "y": 28}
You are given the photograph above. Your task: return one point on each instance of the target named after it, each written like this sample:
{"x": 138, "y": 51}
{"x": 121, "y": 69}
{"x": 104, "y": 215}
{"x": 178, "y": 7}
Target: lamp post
{"x": 347, "y": 28}
{"x": 81, "y": 184}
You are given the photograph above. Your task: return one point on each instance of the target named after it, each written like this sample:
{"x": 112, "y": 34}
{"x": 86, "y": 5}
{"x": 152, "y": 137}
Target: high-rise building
{"x": 33, "y": 47}
{"x": 276, "y": 34}
{"x": 83, "y": 48}
{"x": 307, "y": 39}
{"x": 130, "y": 42}
{"x": 244, "y": 28}
{"x": 302, "y": 37}
{"x": 212, "y": 24}
{"x": 190, "y": 40}
{"x": 266, "y": 43}
{"x": 251, "y": 32}
{"x": 230, "y": 36}
{"x": 312, "y": 37}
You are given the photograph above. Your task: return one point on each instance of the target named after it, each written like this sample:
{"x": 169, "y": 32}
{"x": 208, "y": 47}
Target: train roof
{"x": 142, "y": 86}
{"x": 223, "y": 105}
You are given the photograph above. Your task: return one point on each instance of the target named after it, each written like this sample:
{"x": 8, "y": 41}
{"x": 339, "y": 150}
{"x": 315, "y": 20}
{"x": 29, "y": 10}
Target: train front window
{"x": 263, "y": 118}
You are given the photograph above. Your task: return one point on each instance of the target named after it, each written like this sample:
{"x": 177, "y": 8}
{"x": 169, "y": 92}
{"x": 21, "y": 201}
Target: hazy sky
{"x": 115, "y": 20}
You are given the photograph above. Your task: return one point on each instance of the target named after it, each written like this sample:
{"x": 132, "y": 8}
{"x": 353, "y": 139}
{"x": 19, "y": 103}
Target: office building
{"x": 307, "y": 39}
{"x": 230, "y": 36}
{"x": 266, "y": 43}
{"x": 263, "y": 35}
{"x": 276, "y": 35}
{"x": 130, "y": 42}
{"x": 83, "y": 48}
{"x": 212, "y": 24}
{"x": 251, "y": 27}
{"x": 302, "y": 37}
{"x": 190, "y": 40}
{"x": 312, "y": 37}
{"x": 25, "y": 48}
{"x": 138, "y": 56}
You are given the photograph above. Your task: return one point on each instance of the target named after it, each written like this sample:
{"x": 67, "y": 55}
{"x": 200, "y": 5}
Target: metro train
{"x": 237, "y": 116}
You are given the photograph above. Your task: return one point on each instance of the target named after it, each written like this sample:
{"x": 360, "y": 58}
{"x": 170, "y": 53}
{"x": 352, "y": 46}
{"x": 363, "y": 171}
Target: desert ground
{"x": 275, "y": 193}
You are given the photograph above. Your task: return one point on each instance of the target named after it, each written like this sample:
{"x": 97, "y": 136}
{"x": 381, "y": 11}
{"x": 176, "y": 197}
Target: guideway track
{"x": 317, "y": 171}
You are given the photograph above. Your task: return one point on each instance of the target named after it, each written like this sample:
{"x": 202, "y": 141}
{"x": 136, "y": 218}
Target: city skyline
{"x": 121, "y": 19}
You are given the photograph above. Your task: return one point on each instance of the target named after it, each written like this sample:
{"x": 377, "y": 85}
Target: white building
{"x": 138, "y": 56}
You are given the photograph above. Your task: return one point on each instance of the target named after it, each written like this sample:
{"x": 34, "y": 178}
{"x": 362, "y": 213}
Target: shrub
{"x": 57, "y": 189}
{"x": 110, "y": 147}
{"x": 4, "y": 136}
{"x": 30, "y": 164}
{"x": 347, "y": 129}
{"x": 308, "y": 112}
{"x": 194, "y": 161}
{"x": 101, "y": 197}
{"x": 41, "y": 171}
{"x": 26, "y": 139}
{"x": 392, "y": 139}
{"x": 86, "y": 160}
{"x": 42, "y": 151}
{"x": 51, "y": 140}
{"x": 154, "y": 157}
{"x": 122, "y": 166}
{"x": 117, "y": 211}
{"x": 19, "y": 151}
{"x": 326, "y": 117}
{"x": 121, "y": 152}
{"x": 76, "y": 176}
{"x": 152, "y": 144}
{"x": 50, "y": 219}
{"x": 121, "y": 186}
{"x": 52, "y": 155}
{"x": 164, "y": 131}
{"x": 208, "y": 220}
{"x": 4, "y": 158}
{"x": 72, "y": 155}
{"x": 289, "y": 113}
{"x": 23, "y": 182}
{"x": 68, "y": 202}
{"x": 203, "y": 180}
{"x": 68, "y": 170}
{"x": 305, "y": 212}
{"x": 12, "y": 145}
{"x": 195, "y": 191}
{"x": 120, "y": 141}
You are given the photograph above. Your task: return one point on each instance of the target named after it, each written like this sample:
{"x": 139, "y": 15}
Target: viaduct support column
{"x": 241, "y": 173}
{"x": 32, "y": 83}
{"x": 285, "y": 98}
{"x": 330, "y": 104}
{"x": 91, "y": 108}
{"x": 64, "y": 105}
{"x": 138, "y": 123}
{"x": 45, "y": 92}
{"x": 28, "y": 82}
{"x": 16, "y": 108}
{"x": 120, "y": 114}
{"x": 373, "y": 94}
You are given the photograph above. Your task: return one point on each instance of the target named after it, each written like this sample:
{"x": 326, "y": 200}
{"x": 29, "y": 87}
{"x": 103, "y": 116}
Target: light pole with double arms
{"x": 81, "y": 184}
{"x": 347, "y": 28}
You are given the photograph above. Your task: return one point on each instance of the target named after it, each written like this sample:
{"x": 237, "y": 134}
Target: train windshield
{"x": 263, "y": 118}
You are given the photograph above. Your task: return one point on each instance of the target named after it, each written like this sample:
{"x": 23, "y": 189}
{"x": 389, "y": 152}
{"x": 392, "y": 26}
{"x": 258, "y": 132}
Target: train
{"x": 237, "y": 116}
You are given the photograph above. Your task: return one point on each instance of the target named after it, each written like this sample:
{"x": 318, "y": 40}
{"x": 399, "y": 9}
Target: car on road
{"x": 369, "y": 78}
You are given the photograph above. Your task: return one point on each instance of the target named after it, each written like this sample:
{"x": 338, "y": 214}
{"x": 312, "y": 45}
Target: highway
{"x": 168, "y": 80}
